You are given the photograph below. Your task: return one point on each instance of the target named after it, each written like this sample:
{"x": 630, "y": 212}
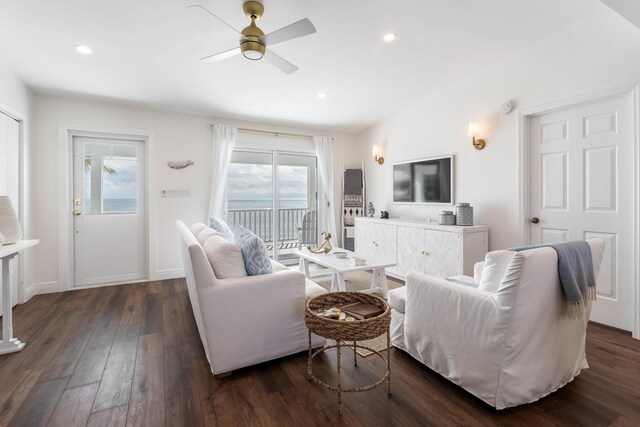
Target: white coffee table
{"x": 341, "y": 266}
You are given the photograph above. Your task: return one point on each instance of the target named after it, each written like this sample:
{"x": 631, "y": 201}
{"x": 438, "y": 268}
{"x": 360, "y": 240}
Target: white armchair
{"x": 507, "y": 348}
{"x": 246, "y": 320}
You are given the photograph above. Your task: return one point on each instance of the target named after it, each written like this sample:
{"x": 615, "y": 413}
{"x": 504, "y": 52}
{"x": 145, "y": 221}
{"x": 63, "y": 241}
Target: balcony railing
{"x": 260, "y": 221}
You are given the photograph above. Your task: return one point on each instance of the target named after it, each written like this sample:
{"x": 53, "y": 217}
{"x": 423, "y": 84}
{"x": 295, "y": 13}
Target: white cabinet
{"x": 377, "y": 242}
{"x": 438, "y": 250}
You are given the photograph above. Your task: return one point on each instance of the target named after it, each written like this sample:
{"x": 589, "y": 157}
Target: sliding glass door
{"x": 274, "y": 195}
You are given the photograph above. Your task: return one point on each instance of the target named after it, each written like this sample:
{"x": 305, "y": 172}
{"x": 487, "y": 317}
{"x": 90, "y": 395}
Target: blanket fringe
{"x": 577, "y": 308}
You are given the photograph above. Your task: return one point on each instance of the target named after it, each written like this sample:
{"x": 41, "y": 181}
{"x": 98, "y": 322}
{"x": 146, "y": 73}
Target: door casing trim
{"x": 524, "y": 118}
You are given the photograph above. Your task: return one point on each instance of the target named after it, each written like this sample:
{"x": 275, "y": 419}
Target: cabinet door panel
{"x": 411, "y": 246}
{"x": 443, "y": 253}
{"x": 376, "y": 241}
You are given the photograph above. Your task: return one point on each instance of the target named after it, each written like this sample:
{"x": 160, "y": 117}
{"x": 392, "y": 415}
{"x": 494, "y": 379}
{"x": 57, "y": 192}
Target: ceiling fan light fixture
{"x": 253, "y": 50}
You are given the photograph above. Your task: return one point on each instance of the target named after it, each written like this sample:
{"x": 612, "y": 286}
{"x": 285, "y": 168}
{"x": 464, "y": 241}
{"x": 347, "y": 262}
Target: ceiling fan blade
{"x": 221, "y": 55}
{"x": 215, "y": 16}
{"x": 304, "y": 27}
{"x": 281, "y": 63}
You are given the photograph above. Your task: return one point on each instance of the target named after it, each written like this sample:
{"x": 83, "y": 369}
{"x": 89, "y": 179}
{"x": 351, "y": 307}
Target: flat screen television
{"x": 424, "y": 181}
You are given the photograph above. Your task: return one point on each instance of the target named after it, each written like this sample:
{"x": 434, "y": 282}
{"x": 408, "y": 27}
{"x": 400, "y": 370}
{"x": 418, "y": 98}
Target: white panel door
{"x": 10, "y": 184}
{"x": 109, "y": 232}
{"x": 581, "y": 184}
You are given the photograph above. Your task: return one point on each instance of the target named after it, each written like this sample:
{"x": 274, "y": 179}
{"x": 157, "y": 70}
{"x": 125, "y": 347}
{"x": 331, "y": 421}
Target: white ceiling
{"x": 147, "y": 51}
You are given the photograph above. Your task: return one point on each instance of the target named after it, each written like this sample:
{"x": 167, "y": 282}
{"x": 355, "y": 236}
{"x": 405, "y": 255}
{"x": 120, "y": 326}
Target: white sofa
{"x": 507, "y": 348}
{"x": 246, "y": 320}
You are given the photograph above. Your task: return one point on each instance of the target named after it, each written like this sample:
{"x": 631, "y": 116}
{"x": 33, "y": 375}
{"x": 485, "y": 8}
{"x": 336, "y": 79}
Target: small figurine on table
{"x": 325, "y": 247}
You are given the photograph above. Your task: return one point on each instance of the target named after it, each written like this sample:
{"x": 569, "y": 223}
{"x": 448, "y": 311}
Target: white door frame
{"x": 22, "y": 137}
{"x": 525, "y": 116}
{"x": 66, "y": 133}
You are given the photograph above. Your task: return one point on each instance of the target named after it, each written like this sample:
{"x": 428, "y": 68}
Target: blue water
{"x": 114, "y": 205}
{"x": 266, "y": 204}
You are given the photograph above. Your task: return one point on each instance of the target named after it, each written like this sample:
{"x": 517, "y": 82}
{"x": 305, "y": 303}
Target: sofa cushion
{"x": 225, "y": 257}
{"x": 397, "y": 298}
{"x": 495, "y": 264}
{"x": 312, "y": 289}
{"x": 205, "y": 234}
{"x": 254, "y": 252}
{"x": 221, "y": 227}
{"x": 197, "y": 227}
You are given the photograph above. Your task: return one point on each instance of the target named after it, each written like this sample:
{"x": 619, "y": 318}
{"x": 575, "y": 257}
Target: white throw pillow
{"x": 225, "y": 258}
{"x": 221, "y": 227}
{"x": 495, "y": 264}
{"x": 206, "y": 233}
{"x": 197, "y": 227}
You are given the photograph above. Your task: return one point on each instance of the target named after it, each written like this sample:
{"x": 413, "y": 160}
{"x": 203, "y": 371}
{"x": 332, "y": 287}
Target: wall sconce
{"x": 474, "y": 132}
{"x": 377, "y": 151}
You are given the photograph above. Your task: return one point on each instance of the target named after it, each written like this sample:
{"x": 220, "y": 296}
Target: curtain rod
{"x": 268, "y": 132}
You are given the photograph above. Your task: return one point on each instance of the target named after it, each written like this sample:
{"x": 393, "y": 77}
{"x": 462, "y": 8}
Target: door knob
{"x": 77, "y": 212}
{"x": 534, "y": 220}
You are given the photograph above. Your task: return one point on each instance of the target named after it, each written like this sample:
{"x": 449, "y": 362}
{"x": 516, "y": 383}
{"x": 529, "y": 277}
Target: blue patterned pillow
{"x": 221, "y": 227}
{"x": 254, "y": 252}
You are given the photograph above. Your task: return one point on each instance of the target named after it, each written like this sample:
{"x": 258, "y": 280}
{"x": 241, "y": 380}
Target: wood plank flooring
{"x": 131, "y": 355}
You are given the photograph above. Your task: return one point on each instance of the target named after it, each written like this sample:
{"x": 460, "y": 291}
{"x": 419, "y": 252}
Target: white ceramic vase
{"x": 9, "y": 224}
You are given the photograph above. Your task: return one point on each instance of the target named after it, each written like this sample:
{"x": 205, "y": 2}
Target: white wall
{"x": 599, "y": 52}
{"x": 178, "y": 137}
{"x": 17, "y": 100}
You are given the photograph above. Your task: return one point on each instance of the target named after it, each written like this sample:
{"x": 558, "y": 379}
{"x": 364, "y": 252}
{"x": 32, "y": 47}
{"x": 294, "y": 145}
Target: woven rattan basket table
{"x": 341, "y": 330}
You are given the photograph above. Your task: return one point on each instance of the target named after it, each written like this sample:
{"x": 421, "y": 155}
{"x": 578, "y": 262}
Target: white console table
{"x": 9, "y": 344}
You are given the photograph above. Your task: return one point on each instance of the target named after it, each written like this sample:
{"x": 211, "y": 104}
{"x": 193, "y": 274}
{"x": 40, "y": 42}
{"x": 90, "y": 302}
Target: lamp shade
{"x": 474, "y": 129}
{"x": 9, "y": 224}
{"x": 376, "y": 151}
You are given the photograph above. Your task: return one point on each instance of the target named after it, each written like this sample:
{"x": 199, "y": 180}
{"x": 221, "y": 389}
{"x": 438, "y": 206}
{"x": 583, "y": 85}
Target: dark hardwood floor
{"x": 132, "y": 355}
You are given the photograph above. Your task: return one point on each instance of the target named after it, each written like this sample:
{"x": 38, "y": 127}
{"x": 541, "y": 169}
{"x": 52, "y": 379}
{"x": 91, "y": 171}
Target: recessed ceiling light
{"x": 389, "y": 37}
{"x": 322, "y": 95}
{"x": 85, "y": 50}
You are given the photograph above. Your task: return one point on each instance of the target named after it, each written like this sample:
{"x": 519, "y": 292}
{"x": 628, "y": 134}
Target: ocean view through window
{"x": 259, "y": 184}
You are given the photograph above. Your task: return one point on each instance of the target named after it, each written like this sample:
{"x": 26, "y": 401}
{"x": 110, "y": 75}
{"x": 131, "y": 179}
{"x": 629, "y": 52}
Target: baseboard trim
{"x": 41, "y": 288}
{"x": 168, "y": 274}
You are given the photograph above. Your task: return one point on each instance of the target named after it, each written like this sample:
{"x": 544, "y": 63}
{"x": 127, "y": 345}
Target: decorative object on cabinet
{"x": 438, "y": 250}
{"x": 9, "y": 224}
{"x": 325, "y": 247}
{"x": 377, "y": 154}
{"x": 371, "y": 210}
{"x": 474, "y": 132}
{"x": 464, "y": 214}
{"x": 180, "y": 165}
{"x": 384, "y": 215}
{"x": 353, "y": 203}
{"x": 447, "y": 218}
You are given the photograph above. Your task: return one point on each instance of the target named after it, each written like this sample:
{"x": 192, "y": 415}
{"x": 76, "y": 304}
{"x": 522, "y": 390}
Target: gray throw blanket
{"x": 575, "y": 268}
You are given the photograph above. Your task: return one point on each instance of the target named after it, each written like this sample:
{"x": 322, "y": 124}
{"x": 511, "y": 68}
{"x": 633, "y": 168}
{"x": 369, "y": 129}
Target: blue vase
{"x": 370, "y": 210}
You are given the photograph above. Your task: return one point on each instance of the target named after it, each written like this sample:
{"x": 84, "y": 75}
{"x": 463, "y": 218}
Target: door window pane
{"x": 250, "y": 194}
{"x": 110, "y": 179}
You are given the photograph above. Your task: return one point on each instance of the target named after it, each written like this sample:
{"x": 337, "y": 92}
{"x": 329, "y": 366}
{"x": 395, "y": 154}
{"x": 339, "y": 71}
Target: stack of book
{"x": 361, "y": 310}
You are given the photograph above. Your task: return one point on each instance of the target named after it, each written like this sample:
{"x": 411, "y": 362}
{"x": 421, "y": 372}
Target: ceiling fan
{"x": 254, "y": 42}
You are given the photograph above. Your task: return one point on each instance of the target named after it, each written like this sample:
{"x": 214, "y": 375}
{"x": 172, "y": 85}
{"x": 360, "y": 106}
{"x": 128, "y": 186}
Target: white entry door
{"x": 581, "y": 187}
{"x": 10, "y": 183}
{"x": 109, "y": 211}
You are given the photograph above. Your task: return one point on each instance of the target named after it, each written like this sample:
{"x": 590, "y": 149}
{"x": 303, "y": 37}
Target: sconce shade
{"x": 377, "y": 154}
{"x": 474, "y": 129}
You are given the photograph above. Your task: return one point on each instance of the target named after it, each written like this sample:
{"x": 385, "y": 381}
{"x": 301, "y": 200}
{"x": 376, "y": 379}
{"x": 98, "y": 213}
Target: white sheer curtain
{"x": 224, "y": 138}
{"x": 326, "y": 216}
